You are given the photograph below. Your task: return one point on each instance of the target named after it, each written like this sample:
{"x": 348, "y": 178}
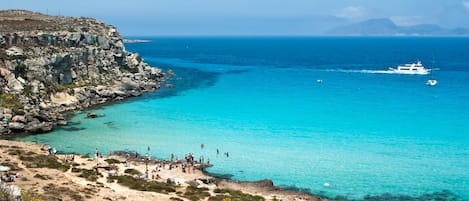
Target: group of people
{"x": 9, "y": 177}
{"x": 52, "y": 151}
{"x": 188, "y": 165}
{"x": 69, "y": 158}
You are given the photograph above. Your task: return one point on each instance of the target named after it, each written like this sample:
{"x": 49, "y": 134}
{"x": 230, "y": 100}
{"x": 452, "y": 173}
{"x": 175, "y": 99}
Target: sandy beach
{"x": 52, "y": 177}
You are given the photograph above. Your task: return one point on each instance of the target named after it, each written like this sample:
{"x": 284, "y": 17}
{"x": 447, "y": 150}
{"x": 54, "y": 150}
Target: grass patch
{"x": 226, "y": 194}
{"x": 175, "y": 199}
{"x": 43, "y": 161}
{"x": 194, "y": 194}
{"x": 112, "y": 161}
{"x": 133, "y": 172}
{"x": 42, "y": 177}
{"x": 53, "y": 192}
{"x": 30, "y": 195}
{"x": 143, "y": 185}
{"x": 15, "y": 152}
{"x": 10, "y": 101}
{"x": 90, "y": 175}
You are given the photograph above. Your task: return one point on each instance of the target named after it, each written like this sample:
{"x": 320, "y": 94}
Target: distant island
{"x": 386, "y": 27}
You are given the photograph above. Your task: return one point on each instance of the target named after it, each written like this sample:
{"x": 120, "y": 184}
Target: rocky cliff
{"x": 51, "y": 64}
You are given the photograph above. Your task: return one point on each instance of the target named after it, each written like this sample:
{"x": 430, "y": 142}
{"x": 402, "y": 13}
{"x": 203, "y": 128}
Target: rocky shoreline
{"x": 50, "y": 64}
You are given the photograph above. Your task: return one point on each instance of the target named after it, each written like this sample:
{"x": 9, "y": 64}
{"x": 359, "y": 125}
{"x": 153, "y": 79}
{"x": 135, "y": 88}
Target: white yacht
{"x": 414, "y": 68}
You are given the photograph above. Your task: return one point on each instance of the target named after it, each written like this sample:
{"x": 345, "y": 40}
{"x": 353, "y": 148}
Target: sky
{"x": 250, "y": 17}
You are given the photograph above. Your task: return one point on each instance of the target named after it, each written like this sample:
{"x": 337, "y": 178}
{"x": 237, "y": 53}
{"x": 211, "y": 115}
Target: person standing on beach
{"x": 172, "y": 157}
{"x": 96, "y": 155}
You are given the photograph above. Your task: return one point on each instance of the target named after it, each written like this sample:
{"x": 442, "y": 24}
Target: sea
{"x": 314, "y": 114}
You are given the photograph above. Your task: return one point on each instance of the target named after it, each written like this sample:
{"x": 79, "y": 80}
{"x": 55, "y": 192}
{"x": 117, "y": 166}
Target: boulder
{"x": 89, "y": 39}
{"x": 16, "y": 125}
{"x": 63, "y": 98}
{"x": 19, "y": 118}
{"x": 129, "y": 84}
{"x": 14, "y": 85}
{"x": 33, "y": 126}
{"x": 4, "y": 72}
{"x": 15, "y": 52}
{"x": 7, "y": 111}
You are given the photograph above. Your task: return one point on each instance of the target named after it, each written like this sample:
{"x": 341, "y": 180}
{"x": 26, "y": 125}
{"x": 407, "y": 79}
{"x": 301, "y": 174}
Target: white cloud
{"x": 466, "y": 4}
{"x": 351, "y": 12}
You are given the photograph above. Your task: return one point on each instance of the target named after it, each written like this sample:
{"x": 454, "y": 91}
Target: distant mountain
{"x": 386, "y": 27}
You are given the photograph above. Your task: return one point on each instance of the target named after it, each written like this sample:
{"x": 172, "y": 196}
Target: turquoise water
{"x": 362, "y": 132}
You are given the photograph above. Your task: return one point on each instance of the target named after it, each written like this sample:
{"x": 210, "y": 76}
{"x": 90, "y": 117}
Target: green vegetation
{"x": 5, "y": 194}
{"x": 143, "y": 185}
{"x": 20, "y": 70}
{"x": 132, "y": 171}
{"x": 112, "y": 161}
{"x": 29, "y": 195}
{"x": 232, "y": 195}
{"x": 28, "y": 90}
{"x": 193, "y": 193}
{"x": 10, "y": 101}
{"x": 71, "y": 29}
{"x": 42, "y": 177}
{"x": 43, "y": 161}
{"x": 54, "y": 87}
{"x": 90, "y": 175}
{"x": 53, "y": 192}
{"x": 3, "y": 55}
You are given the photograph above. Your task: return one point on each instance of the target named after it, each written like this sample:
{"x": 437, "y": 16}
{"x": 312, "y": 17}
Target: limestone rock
{"x": 16, "y": 125}
{"x": 14, "y": 85}
{"x": 15, "y": 51}
{"x": 63, "y": 98}
{"x": 19, "y": 118}
{"x": 4, "y": 72}
{"x": 65, "y": 64}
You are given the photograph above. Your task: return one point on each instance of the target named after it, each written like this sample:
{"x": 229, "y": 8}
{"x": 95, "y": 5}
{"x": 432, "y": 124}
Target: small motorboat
{"x": 432, "y": 82}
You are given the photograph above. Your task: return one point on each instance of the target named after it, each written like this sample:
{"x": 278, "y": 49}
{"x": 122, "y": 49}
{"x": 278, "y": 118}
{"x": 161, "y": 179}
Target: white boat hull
{"x": 407, "y": 72}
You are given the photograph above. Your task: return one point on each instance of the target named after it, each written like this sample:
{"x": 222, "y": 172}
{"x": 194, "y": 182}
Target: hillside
{"x": 386, "y": 27}
{"x": 51, "y": 64}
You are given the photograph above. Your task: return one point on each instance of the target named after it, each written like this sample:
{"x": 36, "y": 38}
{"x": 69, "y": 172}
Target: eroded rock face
{"x": 55, "y": 64}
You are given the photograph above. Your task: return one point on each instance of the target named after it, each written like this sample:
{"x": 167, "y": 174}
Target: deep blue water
{"x": 362, "y": 132}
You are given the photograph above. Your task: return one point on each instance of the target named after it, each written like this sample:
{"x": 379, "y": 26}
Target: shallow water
{"x": 257, "y": 98}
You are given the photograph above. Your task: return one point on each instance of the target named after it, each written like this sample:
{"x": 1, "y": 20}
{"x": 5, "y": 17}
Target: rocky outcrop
{"x": 50, "y": 64}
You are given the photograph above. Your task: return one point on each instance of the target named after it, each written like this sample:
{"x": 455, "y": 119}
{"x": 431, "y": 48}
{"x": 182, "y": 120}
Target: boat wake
{"x": 366, "y": 71}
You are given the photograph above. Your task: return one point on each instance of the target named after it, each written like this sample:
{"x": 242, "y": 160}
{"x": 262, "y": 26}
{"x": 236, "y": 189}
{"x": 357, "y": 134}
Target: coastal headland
{"x": 53, "y": 64}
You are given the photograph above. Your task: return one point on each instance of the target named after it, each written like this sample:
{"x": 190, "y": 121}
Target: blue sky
{"x": 250, "y": 17}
